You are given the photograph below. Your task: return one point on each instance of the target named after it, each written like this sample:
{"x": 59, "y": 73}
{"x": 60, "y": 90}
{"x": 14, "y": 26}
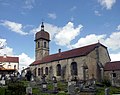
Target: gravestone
{"x": 81, "y": 85}
{"x": 2, "y": 82}
{"x": 71, "y": 89}
{"x": 107, "y": 91}
{"x": 54, "y": 83}
{"x": 44, "y": 83}
{"x": 29, "y": 90}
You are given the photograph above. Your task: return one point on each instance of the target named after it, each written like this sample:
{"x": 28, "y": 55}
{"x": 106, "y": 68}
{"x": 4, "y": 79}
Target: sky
{"x": 71, "y": 24}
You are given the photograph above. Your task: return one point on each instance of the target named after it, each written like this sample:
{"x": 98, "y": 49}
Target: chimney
{"x": 59, "y": 50}
{"x": 5, "y": 55}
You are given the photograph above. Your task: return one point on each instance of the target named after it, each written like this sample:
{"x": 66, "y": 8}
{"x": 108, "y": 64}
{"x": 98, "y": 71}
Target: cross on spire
{"x": 42, "y": 27}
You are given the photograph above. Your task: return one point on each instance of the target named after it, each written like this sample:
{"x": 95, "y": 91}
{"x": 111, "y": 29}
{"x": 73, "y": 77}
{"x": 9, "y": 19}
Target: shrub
{"x": 106, "y": 82}
{"x": 17, "y": 88}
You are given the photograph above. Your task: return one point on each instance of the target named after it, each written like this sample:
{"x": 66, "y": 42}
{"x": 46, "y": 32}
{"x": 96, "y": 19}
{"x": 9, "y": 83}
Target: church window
{"x": 73, "y": 68}
{"x": 45, "y": 45}
{"x": 46, "y": 70}
{"x": 38, "y": 44}
{"x": 58, "y": 70}
{"x": 38, "y": 71}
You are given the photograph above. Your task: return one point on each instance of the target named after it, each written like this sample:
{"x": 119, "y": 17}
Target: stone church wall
{"x": 90, "y": 61}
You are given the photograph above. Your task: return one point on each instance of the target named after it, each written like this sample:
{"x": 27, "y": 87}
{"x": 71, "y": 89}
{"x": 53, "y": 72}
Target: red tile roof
{"x": 82, "y": 51}
{"x": 112, "y": 66}
{"x": 9, "y": 59}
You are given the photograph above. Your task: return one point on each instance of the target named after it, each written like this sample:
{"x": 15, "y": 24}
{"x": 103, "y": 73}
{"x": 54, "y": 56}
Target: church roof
{"x": 42, "y": 34}
{"x": 82, "y": 51}
{"x": 9, "y": 59}
{"x": 112, "y": 66}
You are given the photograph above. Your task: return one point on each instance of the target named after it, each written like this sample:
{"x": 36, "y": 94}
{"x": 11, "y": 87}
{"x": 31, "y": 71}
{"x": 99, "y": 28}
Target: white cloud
{"x": 67, "y": 34}
{"x": 73, "y": 8}
{"x": 5, "y": 50}
{"x": 2, "y": 43}
{"x": 29, "y": 4}
{"x": 118, "y": 27}
{"x": 113, "y": 41}
{"x": 24, "y": 59}
{"x": 52, "y": 15}
{"x": 107, "y": 3}
{"x": 61, "y": 35}
{"x": 97, "y": 13}
{"x": 89, "y": 39}
{"x": 13, "y": 26}
{"x": 115, "y": 57}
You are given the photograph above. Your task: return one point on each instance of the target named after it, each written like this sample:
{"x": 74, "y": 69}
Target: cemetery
{"x": 33, "y": 86}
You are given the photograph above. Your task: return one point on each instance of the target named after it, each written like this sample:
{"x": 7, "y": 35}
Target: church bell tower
{"x": 42, "y": 40}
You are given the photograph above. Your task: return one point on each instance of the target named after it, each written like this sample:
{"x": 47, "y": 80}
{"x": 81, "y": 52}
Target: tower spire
{"x": 42, "y": 27}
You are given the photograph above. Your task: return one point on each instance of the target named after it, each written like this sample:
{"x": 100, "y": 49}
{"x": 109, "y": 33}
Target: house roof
{"x": 82, "y": 51}
{"x": 9, "y": 59}
{"x": 112, "y": 66}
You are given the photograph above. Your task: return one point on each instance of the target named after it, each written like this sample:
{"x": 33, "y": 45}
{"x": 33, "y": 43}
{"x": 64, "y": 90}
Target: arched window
{"x": 38, "y": 45}
{"x": 38, "y": 71}
{"x": 45, "y": 45}
{"x": 46, "y": 70}
{"x": 73, "y": 68}
{"x": 58, "y": 70}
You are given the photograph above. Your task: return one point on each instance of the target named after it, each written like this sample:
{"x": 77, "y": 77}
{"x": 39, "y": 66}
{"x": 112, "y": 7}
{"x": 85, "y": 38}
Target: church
{"x": 84, "y": 62}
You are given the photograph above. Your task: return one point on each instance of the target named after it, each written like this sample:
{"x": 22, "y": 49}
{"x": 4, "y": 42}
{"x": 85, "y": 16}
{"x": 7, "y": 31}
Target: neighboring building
{"x": 112, "y": 72}
{"x": 84, "y": 62}
{"x": 8, "y": 65}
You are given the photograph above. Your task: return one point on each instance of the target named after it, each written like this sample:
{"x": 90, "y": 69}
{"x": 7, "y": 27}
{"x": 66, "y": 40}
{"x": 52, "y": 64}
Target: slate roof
{"x": 9, "y": 59}
{"x": 112, "y": 66}
{"x": 82, "y": 51}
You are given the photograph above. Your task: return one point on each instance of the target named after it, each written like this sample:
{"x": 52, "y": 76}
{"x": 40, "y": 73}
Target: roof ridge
{"x": 79, "y": 48}
{"x": 81, "y": 51}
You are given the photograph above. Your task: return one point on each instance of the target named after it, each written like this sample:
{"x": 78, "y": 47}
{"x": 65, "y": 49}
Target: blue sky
{"x": 71, "y": 24}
